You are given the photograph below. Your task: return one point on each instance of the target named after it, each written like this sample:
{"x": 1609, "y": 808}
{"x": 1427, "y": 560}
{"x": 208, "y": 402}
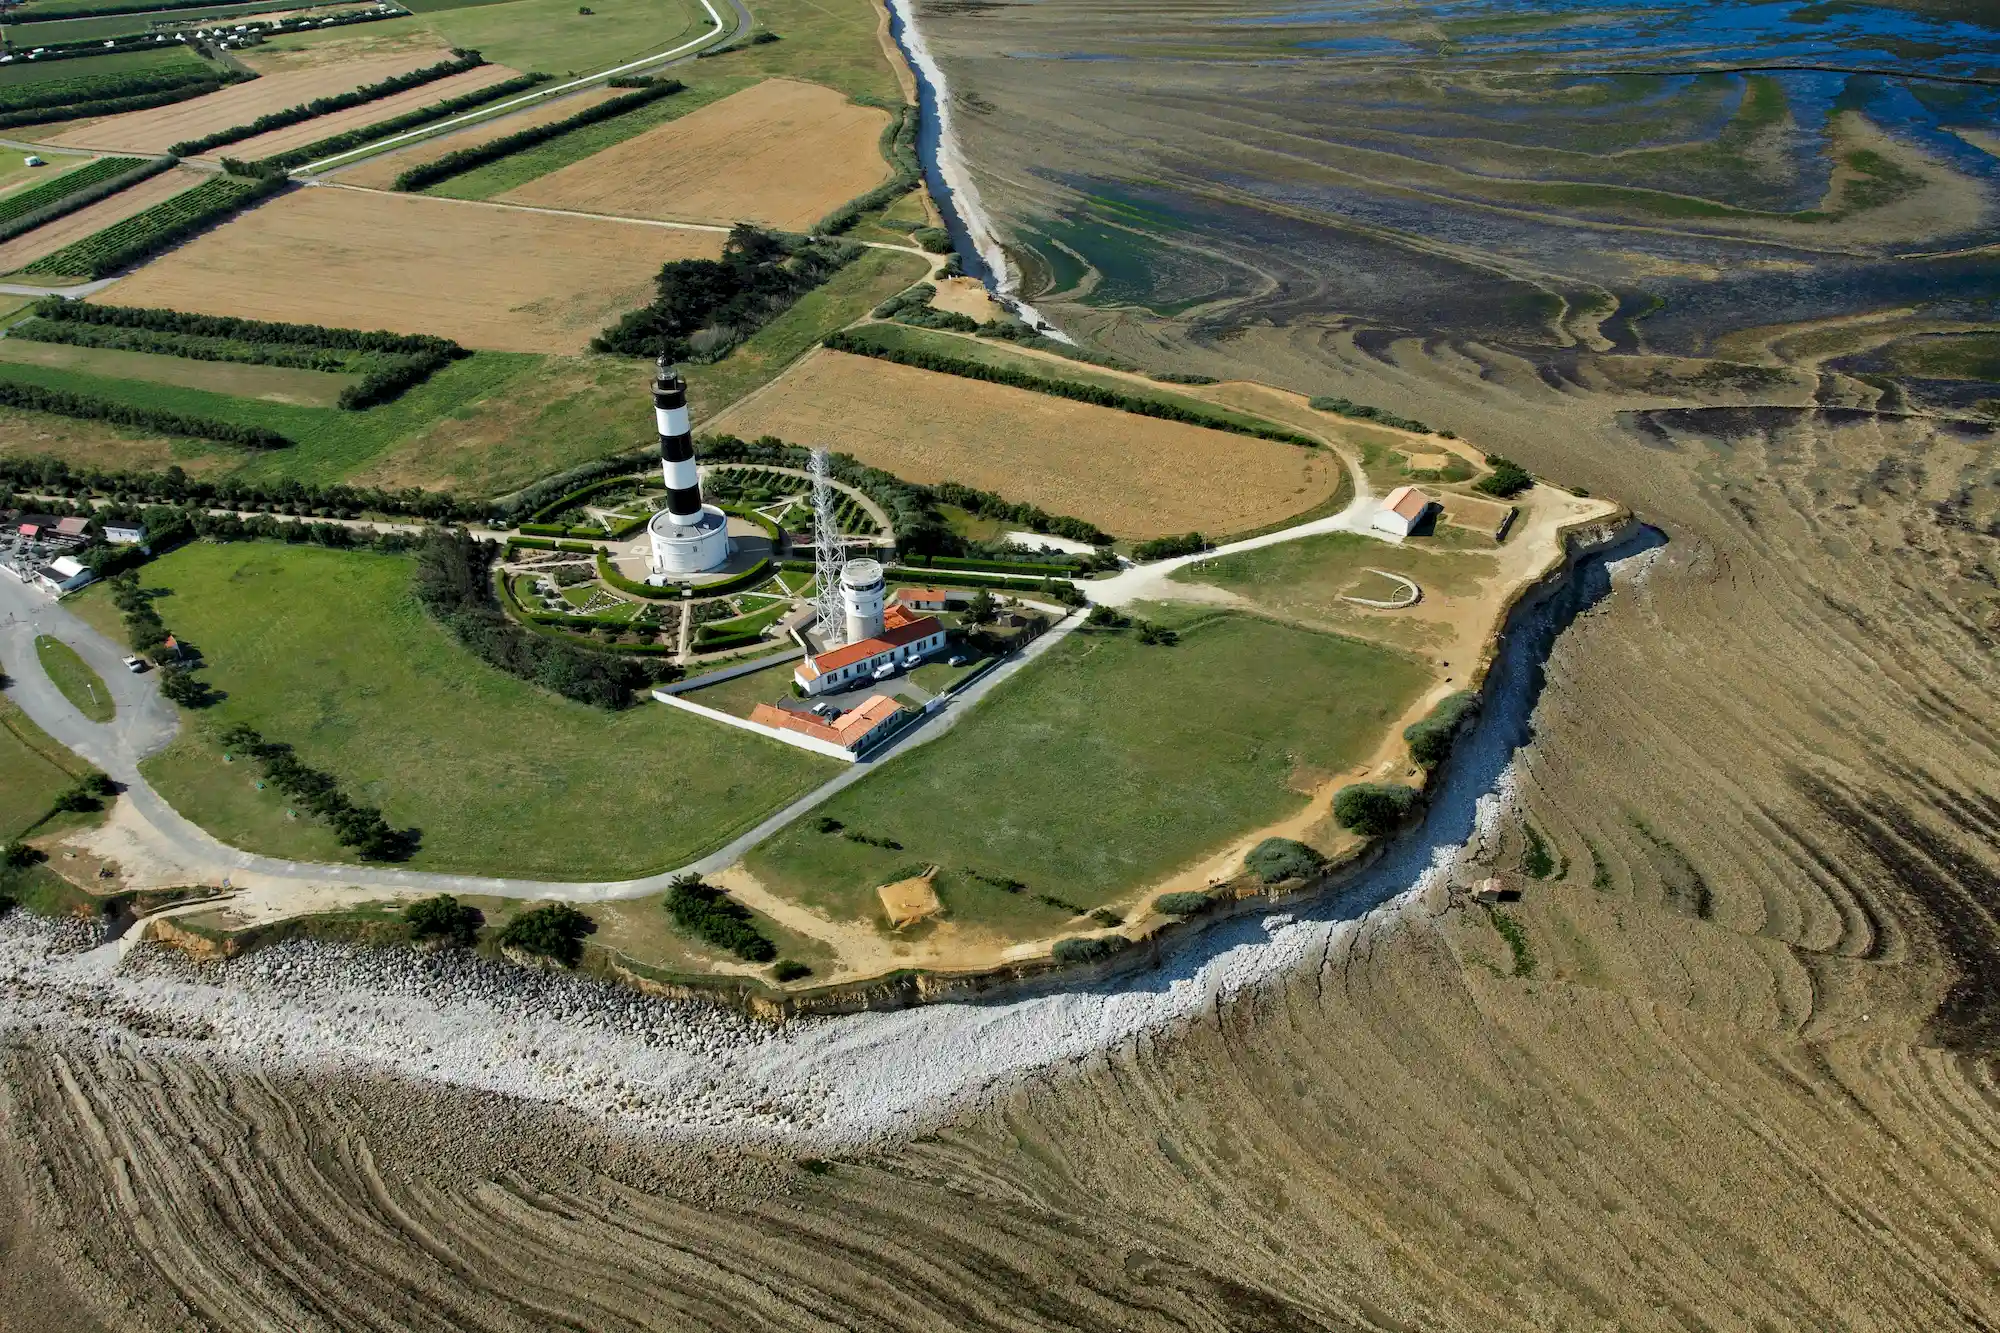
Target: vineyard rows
{"x": 48, "y": 192}
{"x": 142, "y": 233}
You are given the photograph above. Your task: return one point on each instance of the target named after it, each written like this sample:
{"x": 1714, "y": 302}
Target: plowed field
{"x": 380, "y": 172}
{"x": 494, "y": 278}
{"x": 1131, "y": 475}
{"x": 152, "y": 131}
{"x": 368, "y": 113}
{"x": 783, "y": 154}
{"x": 50, "y": 237}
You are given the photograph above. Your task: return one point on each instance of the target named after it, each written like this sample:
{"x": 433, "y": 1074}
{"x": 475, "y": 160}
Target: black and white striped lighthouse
{"x": 688, "y": 536}
{"x": 670, "y": 411}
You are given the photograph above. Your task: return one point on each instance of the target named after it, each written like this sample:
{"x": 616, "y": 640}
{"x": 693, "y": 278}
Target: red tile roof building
{"x": 850, "y": 730}
{"x": 905, "y": 638}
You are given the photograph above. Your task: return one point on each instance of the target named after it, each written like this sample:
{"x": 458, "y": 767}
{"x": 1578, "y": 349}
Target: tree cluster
{"x": 710, "y": 914}
{"x": 358, "y": 826}
{"x": 1507, "y": 478}
{"x": 553, "y": 931}
{"x": 454, "y": 582}
{"x": 704, "y": 307}
{"x": 443, "y": 917}
{"x": 1166, "y": 548}
{"x": 1373, "y": 808}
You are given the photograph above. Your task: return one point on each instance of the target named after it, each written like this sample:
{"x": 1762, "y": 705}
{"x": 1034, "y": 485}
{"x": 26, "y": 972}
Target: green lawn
{"x": 825, "y": 41}
{"x": 278, "y": 384}
{"x": 74, "y": 677}
{"x": 170, "y": 56}
{"x": 33, "y": 768}
{"x": 329, "y": 444}
{"x": 550, "y": 35}
{"x": 1102, "y": 768}
{"x": 326, "y": 650}
{"x": 517, "y": 169}
{"x": 1307, "y": 577}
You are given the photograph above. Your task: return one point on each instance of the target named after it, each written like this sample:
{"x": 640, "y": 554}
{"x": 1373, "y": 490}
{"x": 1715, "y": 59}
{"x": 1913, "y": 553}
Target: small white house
{"x": 1402, "y": 511}
{"x": 63, "y": 574}
{"x": 125, "y": 534}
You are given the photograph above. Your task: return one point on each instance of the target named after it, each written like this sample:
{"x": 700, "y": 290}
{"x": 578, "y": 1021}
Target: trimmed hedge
{"x": 85, "y": 407}
{"x": 465, "y": 159}
{"x": 1374, "y": 808}
{"x": 559, "y": 530}
{"x": 144, "y": 234}
{"x": 541, "y": 544}
{"x": 1069, "y": 565}
{"x": 1097, "y": 395}
{"x": 339, "y": 143}
{"x": 749, "y": 578}
{"x": 1431, "y": 739}
{"x": 562, "y": 502}
{"x": 748, "y": 515}
{"x": 326, "y": 106}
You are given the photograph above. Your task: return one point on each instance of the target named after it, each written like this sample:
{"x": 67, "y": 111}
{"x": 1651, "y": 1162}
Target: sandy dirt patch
{"x": 368, "y": 113}
{"x": 1131, "y": 475}
{"x": 783, "y": 154}
{"x": 1471, "y": 512}
{"x": 380, "y": 172}
{"x": 152, "y": 131}
{"x": 1423, "y": 462}
{"x": 50, "y": 237}
{"x": 494, "y": 278}
{"x": 965, "y": 296}
{"x": 911, "y": 900}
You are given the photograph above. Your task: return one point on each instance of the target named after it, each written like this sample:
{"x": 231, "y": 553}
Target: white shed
{"x": 64, "y": 574}
{"x": 1403, "y": 510}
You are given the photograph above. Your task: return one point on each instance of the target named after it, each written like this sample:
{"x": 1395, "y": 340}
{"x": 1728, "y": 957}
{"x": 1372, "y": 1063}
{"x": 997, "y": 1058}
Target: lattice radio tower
{"x": 827, "y": 552}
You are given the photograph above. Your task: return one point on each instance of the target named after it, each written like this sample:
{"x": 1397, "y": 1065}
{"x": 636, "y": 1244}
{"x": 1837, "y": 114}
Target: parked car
{"x": 135, "y": 664}
{"x": 827, "y": 710}
{"x": 886, "y": 670}
{"x": 958, "y": 659}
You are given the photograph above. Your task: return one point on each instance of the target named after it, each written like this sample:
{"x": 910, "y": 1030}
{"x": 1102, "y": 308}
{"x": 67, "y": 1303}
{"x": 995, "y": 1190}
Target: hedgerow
{"x": 358, "y": 826}
{"x": 899, "y": 145}
{"x": 1363, "y": 412}
{"x": 87, "y": 407}
{"x": 326, "y": 106}
{"x": 113, "y": 106}
{"x": 47, "y": 474}
{"x": 465, "y": 159}
{"x": 54, "y": 96}
{"x": 339, "y": 143}
{"x": 144, "y": 234}
{"x": 1096, "y": 394}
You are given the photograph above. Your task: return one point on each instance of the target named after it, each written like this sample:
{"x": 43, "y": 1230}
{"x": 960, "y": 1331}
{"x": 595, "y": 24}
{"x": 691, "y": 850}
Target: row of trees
{"x": 460, "y": 62}
{"x": 361, "y": 827}
{"x": 46, "y": 474}
{"x": 465, "y": 159}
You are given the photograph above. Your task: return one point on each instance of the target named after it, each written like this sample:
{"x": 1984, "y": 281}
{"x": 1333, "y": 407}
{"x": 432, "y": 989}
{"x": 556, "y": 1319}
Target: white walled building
{"x": 1402, "y": 511}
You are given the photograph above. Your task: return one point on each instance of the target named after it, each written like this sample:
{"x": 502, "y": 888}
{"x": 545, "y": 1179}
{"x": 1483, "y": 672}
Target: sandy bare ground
{"x": 368, "y": 113}
{"x": 496, "y": 278}
{"x": 1131, "y": 475}
{"x": 965, "y": 296}
{"x": 783, "y": 154}
{"x": 380, "y": 171}
{"x": 155, "y": 130}
{"x": 50, "y": 237}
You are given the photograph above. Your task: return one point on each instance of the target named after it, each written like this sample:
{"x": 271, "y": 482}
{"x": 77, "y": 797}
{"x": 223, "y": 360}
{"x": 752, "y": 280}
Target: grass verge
{"x": 74, "y": 677}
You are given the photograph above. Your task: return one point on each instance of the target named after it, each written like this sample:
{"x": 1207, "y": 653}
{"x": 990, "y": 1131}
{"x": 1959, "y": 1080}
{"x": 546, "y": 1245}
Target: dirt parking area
{"x": 783, "y": 154}
{"x": 154, "y": 130}
{"x": 1133, "y": 476}
{"x": 494, "y": 278}
{"x": 380, "y": 172}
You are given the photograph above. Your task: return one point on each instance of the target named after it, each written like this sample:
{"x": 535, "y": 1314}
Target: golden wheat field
{"x": 783, "y": 154}
{"x": 156, "y": 129}
{"x": 1133, "y": 476}
{"x": 368, "y": 113}
{"x": 496, "y": 278}
{"x": 380, "y": 171}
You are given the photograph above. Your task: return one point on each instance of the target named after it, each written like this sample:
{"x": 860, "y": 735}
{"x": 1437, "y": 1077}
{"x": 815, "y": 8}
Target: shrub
{"x": 712, "y": 915}
{"x": 1182, "y": 904}
{"x": 1073, "y": 951}
{"x": 1276, "y": 859}
{"x": 1507, "y": 479}
{"x": 1104, "y": 916}
{"x": 442, "y": 917}
{"x": 788, "y": 970}
{"x": 934, "y": 239}
{"x": 1373, "y": 808}
{"x": 555, "y": 931}
{"x": 19, "y": 856}
{"x": 1105, "y": 617}
{"x": 828, "y": 824}
{"x": 1166, "y": 548}
{"x": 1431, "y": 739}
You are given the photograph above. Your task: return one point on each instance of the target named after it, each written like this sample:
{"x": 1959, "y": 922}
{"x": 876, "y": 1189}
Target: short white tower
{"x": 861, "y": 596}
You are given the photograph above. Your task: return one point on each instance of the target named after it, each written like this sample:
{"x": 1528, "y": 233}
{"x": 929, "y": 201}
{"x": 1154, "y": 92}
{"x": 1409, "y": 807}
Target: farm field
{"x": 50, "y": 237}
{"x": 100, "y": 444}
{"x": 379, "y": 172}
{"x": 546, "y": 35}
{"x": 276, "y": 384}
{"x": 487, "y": 277}
{"x": 1103, "y": 770}
{"x": 570, "y": 410}
{"x": 24, "y": 74}
{"x": 154, "y": 130}
{"x": 328, "y": 444}
{"x": 368, "y": 113}
{"x": 498, "y": 177}
{"x": 1133, "y": 476}
{"x": 842, "y": 44}
{"x": 327, "y": 651}
{"x": 17, "y": 177}
{"x": 782, "y": 154}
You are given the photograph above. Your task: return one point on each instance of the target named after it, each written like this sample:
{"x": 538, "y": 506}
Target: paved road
{"x": 145, "y": 723}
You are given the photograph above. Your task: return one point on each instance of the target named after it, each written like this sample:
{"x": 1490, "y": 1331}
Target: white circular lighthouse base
{"x": 689, "y": 548}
